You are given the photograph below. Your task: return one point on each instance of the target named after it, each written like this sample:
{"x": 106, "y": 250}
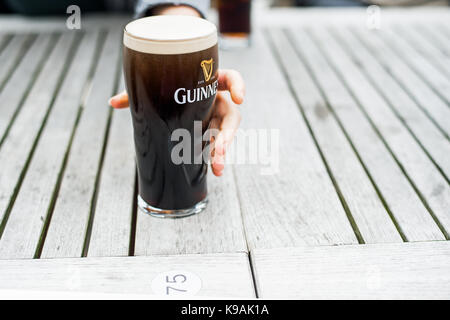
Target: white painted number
{"x": 174, "y": 280}
{"x": 176, "y": 283}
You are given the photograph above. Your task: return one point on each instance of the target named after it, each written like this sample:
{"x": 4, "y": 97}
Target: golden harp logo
{"x": 207, "y": 67}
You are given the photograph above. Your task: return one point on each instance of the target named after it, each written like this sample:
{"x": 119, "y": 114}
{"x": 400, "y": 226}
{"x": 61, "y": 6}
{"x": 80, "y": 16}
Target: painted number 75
{"x": 172, "y": 281}
{"x": 176, "y": 283}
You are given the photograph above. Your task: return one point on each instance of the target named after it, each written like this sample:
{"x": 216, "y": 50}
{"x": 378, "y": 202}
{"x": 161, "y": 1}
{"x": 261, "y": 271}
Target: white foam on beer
{"x": 170, "y": 34}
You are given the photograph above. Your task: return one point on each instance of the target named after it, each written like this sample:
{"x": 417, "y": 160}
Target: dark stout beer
{"x": 234, "y": 20}
{"x": 170, "y": 66}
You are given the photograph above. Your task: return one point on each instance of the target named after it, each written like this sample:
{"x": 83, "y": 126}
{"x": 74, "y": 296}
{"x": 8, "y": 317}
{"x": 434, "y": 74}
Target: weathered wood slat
{"x": 378, "y": 271}
{"x": 16, "y": 88}
{"x": 430, "y": 103}
{"x": 425, "y": 45}
{"x": 221, "y": 275}
{"x": 444, "y": 27}
{"x": 22, "y": 135}
{"x": 217, "y": 229}
{"x": 29, "y": 213}
{"x": 111, "y": 229}
{"x": 433, "y": 76}
{"x": 398, "y": 193}
{"x": 431, "y": 183}
{"x": 4, "y": 39}
{"x": 357, "y": 16}
{"x": 433, "y": 141}
{"x": 11, "y": 55}
{"x": 89, "y": 185}
{"x": 90, "y": 23}
{"x": 437, "y": 37}
{"x": 69, "y": 224}
{"x": 367, "y": 209}
{"x": 298, "y": 204}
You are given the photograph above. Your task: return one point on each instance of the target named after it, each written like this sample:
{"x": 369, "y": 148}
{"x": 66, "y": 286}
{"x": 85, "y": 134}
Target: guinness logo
{"x": 207, "y": 67}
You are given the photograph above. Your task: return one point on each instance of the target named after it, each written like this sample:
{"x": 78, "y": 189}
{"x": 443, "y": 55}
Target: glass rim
{"x": 158, "y": 43}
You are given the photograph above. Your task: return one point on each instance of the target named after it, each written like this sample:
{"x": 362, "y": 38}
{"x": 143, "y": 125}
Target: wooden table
{"x": 360, "y": 207}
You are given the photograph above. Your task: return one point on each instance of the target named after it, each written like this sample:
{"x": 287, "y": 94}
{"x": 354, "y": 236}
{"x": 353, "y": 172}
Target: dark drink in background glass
{"x": 234, "y": 22}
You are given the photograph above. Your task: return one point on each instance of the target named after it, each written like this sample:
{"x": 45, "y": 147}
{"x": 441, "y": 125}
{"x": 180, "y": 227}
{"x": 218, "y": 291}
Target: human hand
{"x": 226, "y": 116}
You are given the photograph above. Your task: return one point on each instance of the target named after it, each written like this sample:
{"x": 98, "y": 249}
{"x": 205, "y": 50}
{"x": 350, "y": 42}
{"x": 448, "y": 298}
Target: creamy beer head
{"x": 170, "y": 34}
{"x": 171, "y": 74}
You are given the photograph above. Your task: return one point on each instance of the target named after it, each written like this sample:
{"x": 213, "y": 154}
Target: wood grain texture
{"x": 377, "y": 271}
{"x": 111, "y": 229}
{"x": 444, "y": 27}
{"x": 413, "y": 218}
{"x": 4, "y": 39}
{"x": 427, "y": 45}
{"x": 367, "y": 209}
{"x": 433, "y": 141}
{"x": 356, "y": 16}
{"x": 28, "y": 216}
{"x": 432, "y": 185}
{"x": 430, "y": 103}
{"x": 91, "y": 22}
{"x": 11, "y": 55}
{"x": 69, "y": 224}
{"x": 438, "y": 39}
{"x": 433, "y": 76}
{"x": 297, "y": 204}
{"x": 18, "y": 85}
{"x": 22, "y": 134}
{"x": 222, "y": 275}
{"x": 265, "y": 17}
{"x": 217, "y": 229}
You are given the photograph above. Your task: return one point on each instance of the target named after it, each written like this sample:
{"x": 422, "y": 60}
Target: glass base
{"x": 171, "y": 214}
{"x": 227, "y": 42}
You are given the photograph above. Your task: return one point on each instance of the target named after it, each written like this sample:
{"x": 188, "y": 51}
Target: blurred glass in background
{"x": 234, "y": 23}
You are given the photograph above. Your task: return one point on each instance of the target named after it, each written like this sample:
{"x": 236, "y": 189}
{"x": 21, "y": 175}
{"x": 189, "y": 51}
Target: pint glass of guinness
{"x": 171, "y": 73}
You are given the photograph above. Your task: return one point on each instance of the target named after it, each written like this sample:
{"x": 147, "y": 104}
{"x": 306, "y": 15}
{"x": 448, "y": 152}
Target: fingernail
{"x": 218, "y": 172}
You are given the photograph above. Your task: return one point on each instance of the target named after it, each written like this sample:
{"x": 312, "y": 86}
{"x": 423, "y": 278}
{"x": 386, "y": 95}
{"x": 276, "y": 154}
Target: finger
{"x": 120, "y": 101}
{"x": 232, "y": 81}
{"x": 217, "y": 166}
{"x": 213, "y": 129}
{"x": 229, "y": 125}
